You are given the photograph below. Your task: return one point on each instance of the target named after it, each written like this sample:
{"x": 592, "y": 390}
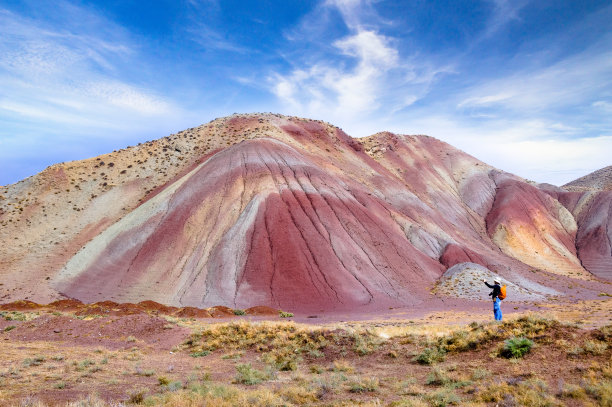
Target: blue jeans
{"x": 497, "y": 310}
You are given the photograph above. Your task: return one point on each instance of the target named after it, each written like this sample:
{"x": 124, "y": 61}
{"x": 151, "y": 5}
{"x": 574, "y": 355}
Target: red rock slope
{"x": 589, "y": 199}
{"x": 278, "y": 211}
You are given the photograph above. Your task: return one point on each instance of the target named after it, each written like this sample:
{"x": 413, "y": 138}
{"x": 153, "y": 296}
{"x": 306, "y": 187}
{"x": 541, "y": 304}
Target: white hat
{"x": 497, "y": 281}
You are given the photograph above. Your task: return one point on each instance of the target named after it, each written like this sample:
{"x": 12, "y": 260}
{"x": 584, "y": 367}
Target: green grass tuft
{"x": 516, "y": 347}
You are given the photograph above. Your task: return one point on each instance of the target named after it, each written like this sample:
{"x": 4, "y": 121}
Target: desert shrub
{"x": 429, "y": 356}
{"x": 284, "y": 314}
{"x": 516, "y": 347}
{"x": 328, "y": 384}
{"x": 14, "y": 316}
{"x": 532, "y": 392}
{"x": 137, "y": 396}
{"x": 82, "y": 365}
{"x": 174, "y": 386}
{"x": 239, "y": 312}
{"x": 481, "y": 334}
{"x": 35, "y": 361}
{"x": 605, "y": 333}
{"x": 316, "y": 353}
{"x": 529, "y": 326}
{"x": 343, "y": 366}
{"x": 282, "y": 359}
{"x": 9, "y": 328}
{"x": 595, "y": 347}
{"x": 575, "y": 350}
{"x": 392, "y": 354}
{"x": 262, "y": 337}
{"x": 248, "y": 375}
{"x": 442, "y": 398}
{"x": 316, "y": 369}
{"x": 163, "y": 380}
{"x": 601, "y": 391}
{"x": 480, "y": 373}
{"x": 363, "y": 385}
{"x": 235, "y": 355}
{"x": 412, "y": 402}
{"x": 138, "y": 372}
{"x": 199, "y": 354}
{"x": 437, "y": 377}
{"x": 298, "y": 395}
{"x": 572, "y": 391}
{"x": 365, "y": 342}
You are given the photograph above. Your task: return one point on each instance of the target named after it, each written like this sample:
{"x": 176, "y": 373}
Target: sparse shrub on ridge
{"x": 248, "y": 375}
{"x": 595, "y": 347}
{"x": 363, "y": 384}
{"x": 342, "y": 366}
{"x": 429, "y": 356}
{"x": 282, "y": 359}
{"x": 365, "y": 342}
{"x": 259, "y": 337}
{"x": 443, "y": 398}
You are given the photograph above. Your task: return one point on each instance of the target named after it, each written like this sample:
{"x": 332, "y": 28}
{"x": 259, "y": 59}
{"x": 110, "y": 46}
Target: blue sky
{"x": 523, "y": 85}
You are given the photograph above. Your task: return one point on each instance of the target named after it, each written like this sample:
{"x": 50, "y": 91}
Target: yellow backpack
{"x": 502, "y": 294}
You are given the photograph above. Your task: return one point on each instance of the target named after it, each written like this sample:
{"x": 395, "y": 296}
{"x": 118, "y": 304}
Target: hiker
{"x": 495, "y": 296}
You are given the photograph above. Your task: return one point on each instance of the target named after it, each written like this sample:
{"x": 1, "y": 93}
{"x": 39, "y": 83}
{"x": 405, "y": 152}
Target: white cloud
{"x": 124, "y": 96}
{"x": 504, "y": 12}
{"x": 570, "y": 81}
{"x": 67, "y": 74}
{"x": 536, "y": 149}
{"x": 603, "y": 105}
{"x": 363, "y": 75}
{"x": 324, "y": 88}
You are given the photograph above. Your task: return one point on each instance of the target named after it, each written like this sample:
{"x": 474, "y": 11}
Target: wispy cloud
{"x": 67, "y": 74}
{"x": 201, "y": 30}
{"x": 571, "y": 81}
{"x": 364, "y": 73}
{"x": 64, "y": 92}
{"x": 503, "y": 13}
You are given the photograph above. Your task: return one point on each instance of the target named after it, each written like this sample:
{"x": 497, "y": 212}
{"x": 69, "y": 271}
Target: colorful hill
{"x": 291, "y": 213}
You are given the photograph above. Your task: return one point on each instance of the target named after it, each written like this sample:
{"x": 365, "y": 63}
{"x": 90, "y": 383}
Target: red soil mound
{"x": 66, "y": 305}
{"x": 192, "y": 312}
{"x": 21, "y": 305}
{"x": 156, "y": 307}
{"x": 261, "y": 310}
{"x": 221, "y": 311}
{"x": 111, "y": 308}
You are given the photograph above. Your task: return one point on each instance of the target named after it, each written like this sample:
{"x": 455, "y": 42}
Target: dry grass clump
{"x": 258, "y": 336}
{"x": 283, "y": 342}
{"x": 517, "y": 332}
{"x": 18, "y": 316}
{"x": 248, "y": 375}
{"x": 530, "y": 392}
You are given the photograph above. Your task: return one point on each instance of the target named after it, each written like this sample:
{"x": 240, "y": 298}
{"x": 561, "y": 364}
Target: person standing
{"x": 495, "y": 296}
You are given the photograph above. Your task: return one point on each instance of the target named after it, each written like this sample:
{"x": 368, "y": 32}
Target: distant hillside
{"x": 600, "y": 180}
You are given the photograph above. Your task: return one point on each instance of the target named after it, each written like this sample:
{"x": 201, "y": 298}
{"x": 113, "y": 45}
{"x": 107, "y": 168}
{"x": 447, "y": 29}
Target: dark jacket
{"x": 496, "y": 290}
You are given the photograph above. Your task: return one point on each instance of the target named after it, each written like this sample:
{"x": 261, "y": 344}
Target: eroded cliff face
{"x": 287, "y": 212}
